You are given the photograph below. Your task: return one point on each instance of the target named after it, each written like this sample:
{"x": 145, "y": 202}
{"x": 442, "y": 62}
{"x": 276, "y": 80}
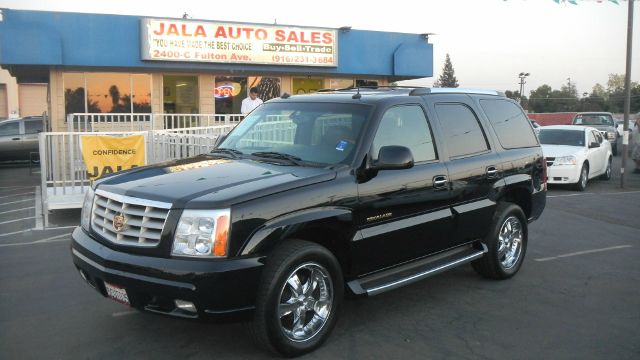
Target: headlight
{"x": 87, "y": 207}
{"x": 565, "y": 160}
{"x": 202, "y": 233}
{"x": 611, "y": 135}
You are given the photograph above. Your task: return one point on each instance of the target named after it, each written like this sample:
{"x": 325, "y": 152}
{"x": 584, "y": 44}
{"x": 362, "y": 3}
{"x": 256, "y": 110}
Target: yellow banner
{"x": 108, "y": 154}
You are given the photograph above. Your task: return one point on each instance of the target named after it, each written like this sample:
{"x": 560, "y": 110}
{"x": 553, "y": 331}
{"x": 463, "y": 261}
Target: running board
{"x": 406, "y": 274}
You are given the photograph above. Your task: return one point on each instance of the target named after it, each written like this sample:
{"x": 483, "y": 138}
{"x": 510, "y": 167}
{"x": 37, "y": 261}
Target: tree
{"x": 448, "y": 76}
{"x": 114, "y": 92}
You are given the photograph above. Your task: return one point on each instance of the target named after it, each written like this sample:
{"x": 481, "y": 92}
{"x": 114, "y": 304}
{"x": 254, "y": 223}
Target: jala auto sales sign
{"x": 184, "y": 40}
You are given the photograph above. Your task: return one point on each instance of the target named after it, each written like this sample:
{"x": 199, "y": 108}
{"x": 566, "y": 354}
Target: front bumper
{"x": 223, "y": 289}
{"x": 563, "y": 174}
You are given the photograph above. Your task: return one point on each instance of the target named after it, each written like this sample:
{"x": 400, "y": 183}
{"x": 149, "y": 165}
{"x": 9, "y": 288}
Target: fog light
{"x": 186, "y": 306}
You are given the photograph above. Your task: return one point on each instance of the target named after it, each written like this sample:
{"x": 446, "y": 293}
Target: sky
{"x": 489, "y": 41}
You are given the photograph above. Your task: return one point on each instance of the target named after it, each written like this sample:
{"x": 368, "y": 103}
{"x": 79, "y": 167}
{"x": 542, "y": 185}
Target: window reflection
{"x": 107, "y": 93}
{"x": 141, "y": 93}
{"x": 111, "y": 92}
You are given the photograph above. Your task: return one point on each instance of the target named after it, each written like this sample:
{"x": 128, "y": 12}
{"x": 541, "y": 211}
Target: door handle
{"x": 15, "y": 139}
{"x": 440, "y": 182}
{"x": 492, "y": 172}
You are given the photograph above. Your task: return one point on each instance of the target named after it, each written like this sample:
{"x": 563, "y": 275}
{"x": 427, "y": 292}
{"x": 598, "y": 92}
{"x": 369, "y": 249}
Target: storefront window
{"x": 364, "y": 82}
{"x": 111, "y": 92}
{"x": 106, "y": 93}
{"x": 340, "y": 83}
{"x": 229, "y": 93}
{"x": 141, "y": 93}
{"x": 74, "y": 94}
{"x": 180, "y": 94}
{"x": 268, "y": 87}
{"x": 306, "y": 85}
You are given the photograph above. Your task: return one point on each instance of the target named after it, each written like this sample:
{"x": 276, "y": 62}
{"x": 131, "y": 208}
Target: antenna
{"x": 357, "y": 95}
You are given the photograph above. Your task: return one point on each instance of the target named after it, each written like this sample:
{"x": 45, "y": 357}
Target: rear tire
{"x": 298, "y": 300}
{"x": 506, "y": 243}
{"x": 584, "y": 178}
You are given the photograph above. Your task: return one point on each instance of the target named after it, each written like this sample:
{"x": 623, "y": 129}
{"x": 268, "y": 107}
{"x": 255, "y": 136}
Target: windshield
{"x": 593, "y": 119}
{"x": 561, "y": 137}
{"x": 322, "y": 133}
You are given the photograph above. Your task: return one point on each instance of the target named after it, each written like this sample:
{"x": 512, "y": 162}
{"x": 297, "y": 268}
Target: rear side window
{"x": 462, "y": 132}
{"x": 32, "y": 126}
{"x": 510, "y": 123}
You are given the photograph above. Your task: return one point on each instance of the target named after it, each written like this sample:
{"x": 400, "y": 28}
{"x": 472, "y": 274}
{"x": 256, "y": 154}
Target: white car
{"x": 575, "y": 154}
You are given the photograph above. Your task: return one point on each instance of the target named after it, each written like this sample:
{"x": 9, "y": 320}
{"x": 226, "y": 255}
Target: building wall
{"x": 13, "y": 110}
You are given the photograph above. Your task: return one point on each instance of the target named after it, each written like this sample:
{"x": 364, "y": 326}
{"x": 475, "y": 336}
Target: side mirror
{"x": 394, "y": 157}
{"x": 594, "y": 145}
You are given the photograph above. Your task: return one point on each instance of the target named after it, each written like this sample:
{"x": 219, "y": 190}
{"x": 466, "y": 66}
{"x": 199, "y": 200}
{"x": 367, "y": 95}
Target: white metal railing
{"x": 105, "y": 122}
{"x": 64, "y": 178}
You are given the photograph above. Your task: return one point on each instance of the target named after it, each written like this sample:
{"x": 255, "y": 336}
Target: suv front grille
{"x": 550, "y": 161}
{"x": 141, "y": 221}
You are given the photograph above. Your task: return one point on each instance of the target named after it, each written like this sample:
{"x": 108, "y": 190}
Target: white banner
{"x": 185, "y": 40}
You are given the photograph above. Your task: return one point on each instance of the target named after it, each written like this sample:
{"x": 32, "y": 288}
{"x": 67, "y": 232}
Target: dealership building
{"x": 96, "y": 63}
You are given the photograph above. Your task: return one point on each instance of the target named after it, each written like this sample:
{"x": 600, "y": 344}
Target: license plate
{"x": 117, "y": 293}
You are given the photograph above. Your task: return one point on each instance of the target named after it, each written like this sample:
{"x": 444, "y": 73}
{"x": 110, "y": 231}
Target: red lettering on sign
{"x": 200, "y": 31}
{"x": 160, "y": 31}
{"x": 173, "y": 30}
{"x": 327, "y": 38}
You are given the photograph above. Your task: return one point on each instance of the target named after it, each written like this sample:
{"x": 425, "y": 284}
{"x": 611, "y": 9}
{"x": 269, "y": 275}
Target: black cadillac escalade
{"x": 309, "y": 197}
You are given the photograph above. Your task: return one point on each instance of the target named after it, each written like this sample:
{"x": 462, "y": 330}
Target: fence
{"x": 98, "y": 122}
{"x": 64, "y": 178}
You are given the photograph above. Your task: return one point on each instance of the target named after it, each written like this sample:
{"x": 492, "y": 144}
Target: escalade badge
{"x": 119, "y": 222}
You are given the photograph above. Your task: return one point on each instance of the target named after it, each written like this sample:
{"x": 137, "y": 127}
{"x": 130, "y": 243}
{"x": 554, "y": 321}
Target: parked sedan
{"x": 19, "y": 138}
{"x": 575, "y": 154}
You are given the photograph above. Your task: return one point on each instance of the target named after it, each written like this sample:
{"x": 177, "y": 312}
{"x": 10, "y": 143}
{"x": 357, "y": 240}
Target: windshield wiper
{"x": 279, "y": 156}
{"x": 226, "y": 151}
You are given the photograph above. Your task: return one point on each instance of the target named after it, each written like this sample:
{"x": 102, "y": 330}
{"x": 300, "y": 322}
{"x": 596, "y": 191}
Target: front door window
{"x": 180, "y": 94}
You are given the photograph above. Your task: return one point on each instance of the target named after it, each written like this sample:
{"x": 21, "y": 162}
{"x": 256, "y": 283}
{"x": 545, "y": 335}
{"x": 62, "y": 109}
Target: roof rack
{"x": 457, "y": 91}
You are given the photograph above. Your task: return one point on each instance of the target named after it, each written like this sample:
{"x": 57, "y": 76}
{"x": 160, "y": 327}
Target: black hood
{"x": 211, "y": 182}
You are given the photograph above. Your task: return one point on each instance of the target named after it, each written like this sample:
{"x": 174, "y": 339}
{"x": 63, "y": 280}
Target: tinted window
{"x": 562, "y": 137}
{"x": 12, "y": 128}
{"x": 593, "y": 119}
{"x": 510, "y": 123}
{"x": 462, "y": 132}
{"x": 405, "y": 126}
{"x": 32, "y": 126}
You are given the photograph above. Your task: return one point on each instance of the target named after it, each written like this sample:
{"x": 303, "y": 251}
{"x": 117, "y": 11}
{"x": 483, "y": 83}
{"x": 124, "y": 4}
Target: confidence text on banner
{"x": 108, "y": 154}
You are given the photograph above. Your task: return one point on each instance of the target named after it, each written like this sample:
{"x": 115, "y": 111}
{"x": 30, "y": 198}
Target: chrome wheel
{"x": 510, "y": 242}
{"x": 608, "y": 172}
{"x": 305, "y": 302}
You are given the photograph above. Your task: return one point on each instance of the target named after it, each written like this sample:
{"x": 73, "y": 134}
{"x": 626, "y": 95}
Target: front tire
{"x": 506, "y": 243}
{"x": 607, "y": 172}
{"x": 584, "y": 178}
{"x": 298, "y": 300}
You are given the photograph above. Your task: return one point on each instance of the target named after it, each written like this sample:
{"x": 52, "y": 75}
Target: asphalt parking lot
{"x": 576, "y": 297}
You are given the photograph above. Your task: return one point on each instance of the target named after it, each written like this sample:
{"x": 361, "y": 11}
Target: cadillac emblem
{"x": 118, "y": 222}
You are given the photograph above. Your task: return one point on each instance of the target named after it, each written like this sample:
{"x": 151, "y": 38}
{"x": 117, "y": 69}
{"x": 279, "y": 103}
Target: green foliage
{"x": 611, "y": 99}
{"x": 448, "y": 77}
